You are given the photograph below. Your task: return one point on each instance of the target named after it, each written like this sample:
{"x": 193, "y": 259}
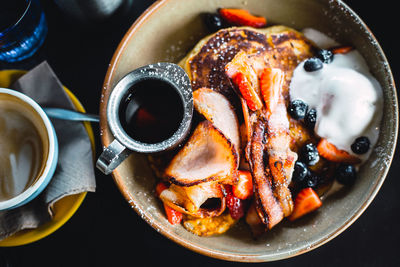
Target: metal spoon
{"x": 70, "y": 115}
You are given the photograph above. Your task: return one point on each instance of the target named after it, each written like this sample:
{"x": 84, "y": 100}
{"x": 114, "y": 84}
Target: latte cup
{"x": 28, "y": 149}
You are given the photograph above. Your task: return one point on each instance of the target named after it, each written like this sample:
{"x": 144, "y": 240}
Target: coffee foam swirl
{"x": 22, "y": 147}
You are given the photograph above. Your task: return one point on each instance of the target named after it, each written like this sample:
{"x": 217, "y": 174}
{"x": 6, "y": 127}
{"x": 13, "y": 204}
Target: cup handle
{"x": 112, "y": 156}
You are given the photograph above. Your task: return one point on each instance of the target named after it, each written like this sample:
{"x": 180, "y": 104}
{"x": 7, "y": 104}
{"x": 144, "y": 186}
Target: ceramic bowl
{"x": 168, "y": 30}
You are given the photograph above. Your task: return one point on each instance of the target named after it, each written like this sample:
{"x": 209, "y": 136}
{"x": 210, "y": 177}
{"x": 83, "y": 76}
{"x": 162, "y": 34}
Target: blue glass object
{"x": 24, "y": 36}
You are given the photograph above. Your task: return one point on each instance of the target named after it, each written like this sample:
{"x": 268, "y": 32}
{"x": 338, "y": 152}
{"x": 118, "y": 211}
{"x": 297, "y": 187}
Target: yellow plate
{"x": 65, "y": 207}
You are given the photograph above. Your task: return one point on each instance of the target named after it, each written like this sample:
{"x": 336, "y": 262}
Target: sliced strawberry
{"x": 243, "y": 189}
{"x": 332, "y": 153}
{"x": 242, "y": 17}
{"x": 235, "y": 205}
{"x": 244, "y": 76}
{"x": 306, "y": 201}
{"x": 247, "y": 91}
{"x": 250, "y": 65}
{"x": 271, "y": 82}
{"x": 161, "y": 186}
{"x": 342, "y": 49}
{"x": 173, "y": 216}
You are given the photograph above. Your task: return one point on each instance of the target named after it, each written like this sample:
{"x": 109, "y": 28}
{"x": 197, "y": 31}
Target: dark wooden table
{"x": 105, "y": 231}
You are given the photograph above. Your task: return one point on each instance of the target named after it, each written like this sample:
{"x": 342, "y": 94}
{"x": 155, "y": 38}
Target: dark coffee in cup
{"x": 151, "y": 111}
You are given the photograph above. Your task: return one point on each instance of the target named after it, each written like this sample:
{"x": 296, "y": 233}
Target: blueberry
{"x": 297, "y": 109}
{"x": 311, "y": 118}
{"x": 312, "y": 180}
{"x": 346, "y": 174}
{"x": 213, "y": 22}
{"x": 300, "y": 172}
{"x": 309, "y": 154}
{"x": 313, "y": 64}
{"x": 326, "y": 56}
{"x": 361, "y": 145}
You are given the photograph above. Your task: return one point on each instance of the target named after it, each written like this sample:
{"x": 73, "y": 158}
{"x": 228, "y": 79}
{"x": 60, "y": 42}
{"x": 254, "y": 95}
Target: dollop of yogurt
{"x": 348, "y": 99}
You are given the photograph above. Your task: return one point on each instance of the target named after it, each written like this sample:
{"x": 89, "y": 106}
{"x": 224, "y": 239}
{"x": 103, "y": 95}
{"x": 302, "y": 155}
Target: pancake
{"x": 279, "y": 47}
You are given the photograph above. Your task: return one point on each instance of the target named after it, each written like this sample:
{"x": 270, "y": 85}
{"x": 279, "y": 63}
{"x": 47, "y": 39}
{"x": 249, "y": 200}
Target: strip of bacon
{"x": 271, "y": 181}
{"x": 268, "y": 207}
{"x": 248, "y": 122}
{"x": 207, "y": 156}
{"x": 218, "y": 110}
{"x": 189, "y": 200}
{"x": 281, "y": 158}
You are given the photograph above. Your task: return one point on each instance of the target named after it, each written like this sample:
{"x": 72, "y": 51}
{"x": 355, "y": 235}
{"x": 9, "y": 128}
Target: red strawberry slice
{"x": 161, "y": 186}
{"x": 243, "y": 74}
{"x": 242, "y": 17}
{"x": 332, "y": 153}
{"x": 341, "y": 49}
{"x": 306, "y": 201}
{"x": 243, "y": 189}
{"x": 271, "y": 82}
{"x": 247, "y": 91}
{"x": 234, "y": 204}
{"x": 173, "y": 216}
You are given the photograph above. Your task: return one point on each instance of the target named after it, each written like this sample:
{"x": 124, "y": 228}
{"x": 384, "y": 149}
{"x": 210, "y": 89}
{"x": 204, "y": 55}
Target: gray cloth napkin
{"x": 74, "y": 173}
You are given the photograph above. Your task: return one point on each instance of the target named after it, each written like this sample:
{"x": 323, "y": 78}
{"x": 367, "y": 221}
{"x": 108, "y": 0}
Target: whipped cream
{"x": 348, "y": 99}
